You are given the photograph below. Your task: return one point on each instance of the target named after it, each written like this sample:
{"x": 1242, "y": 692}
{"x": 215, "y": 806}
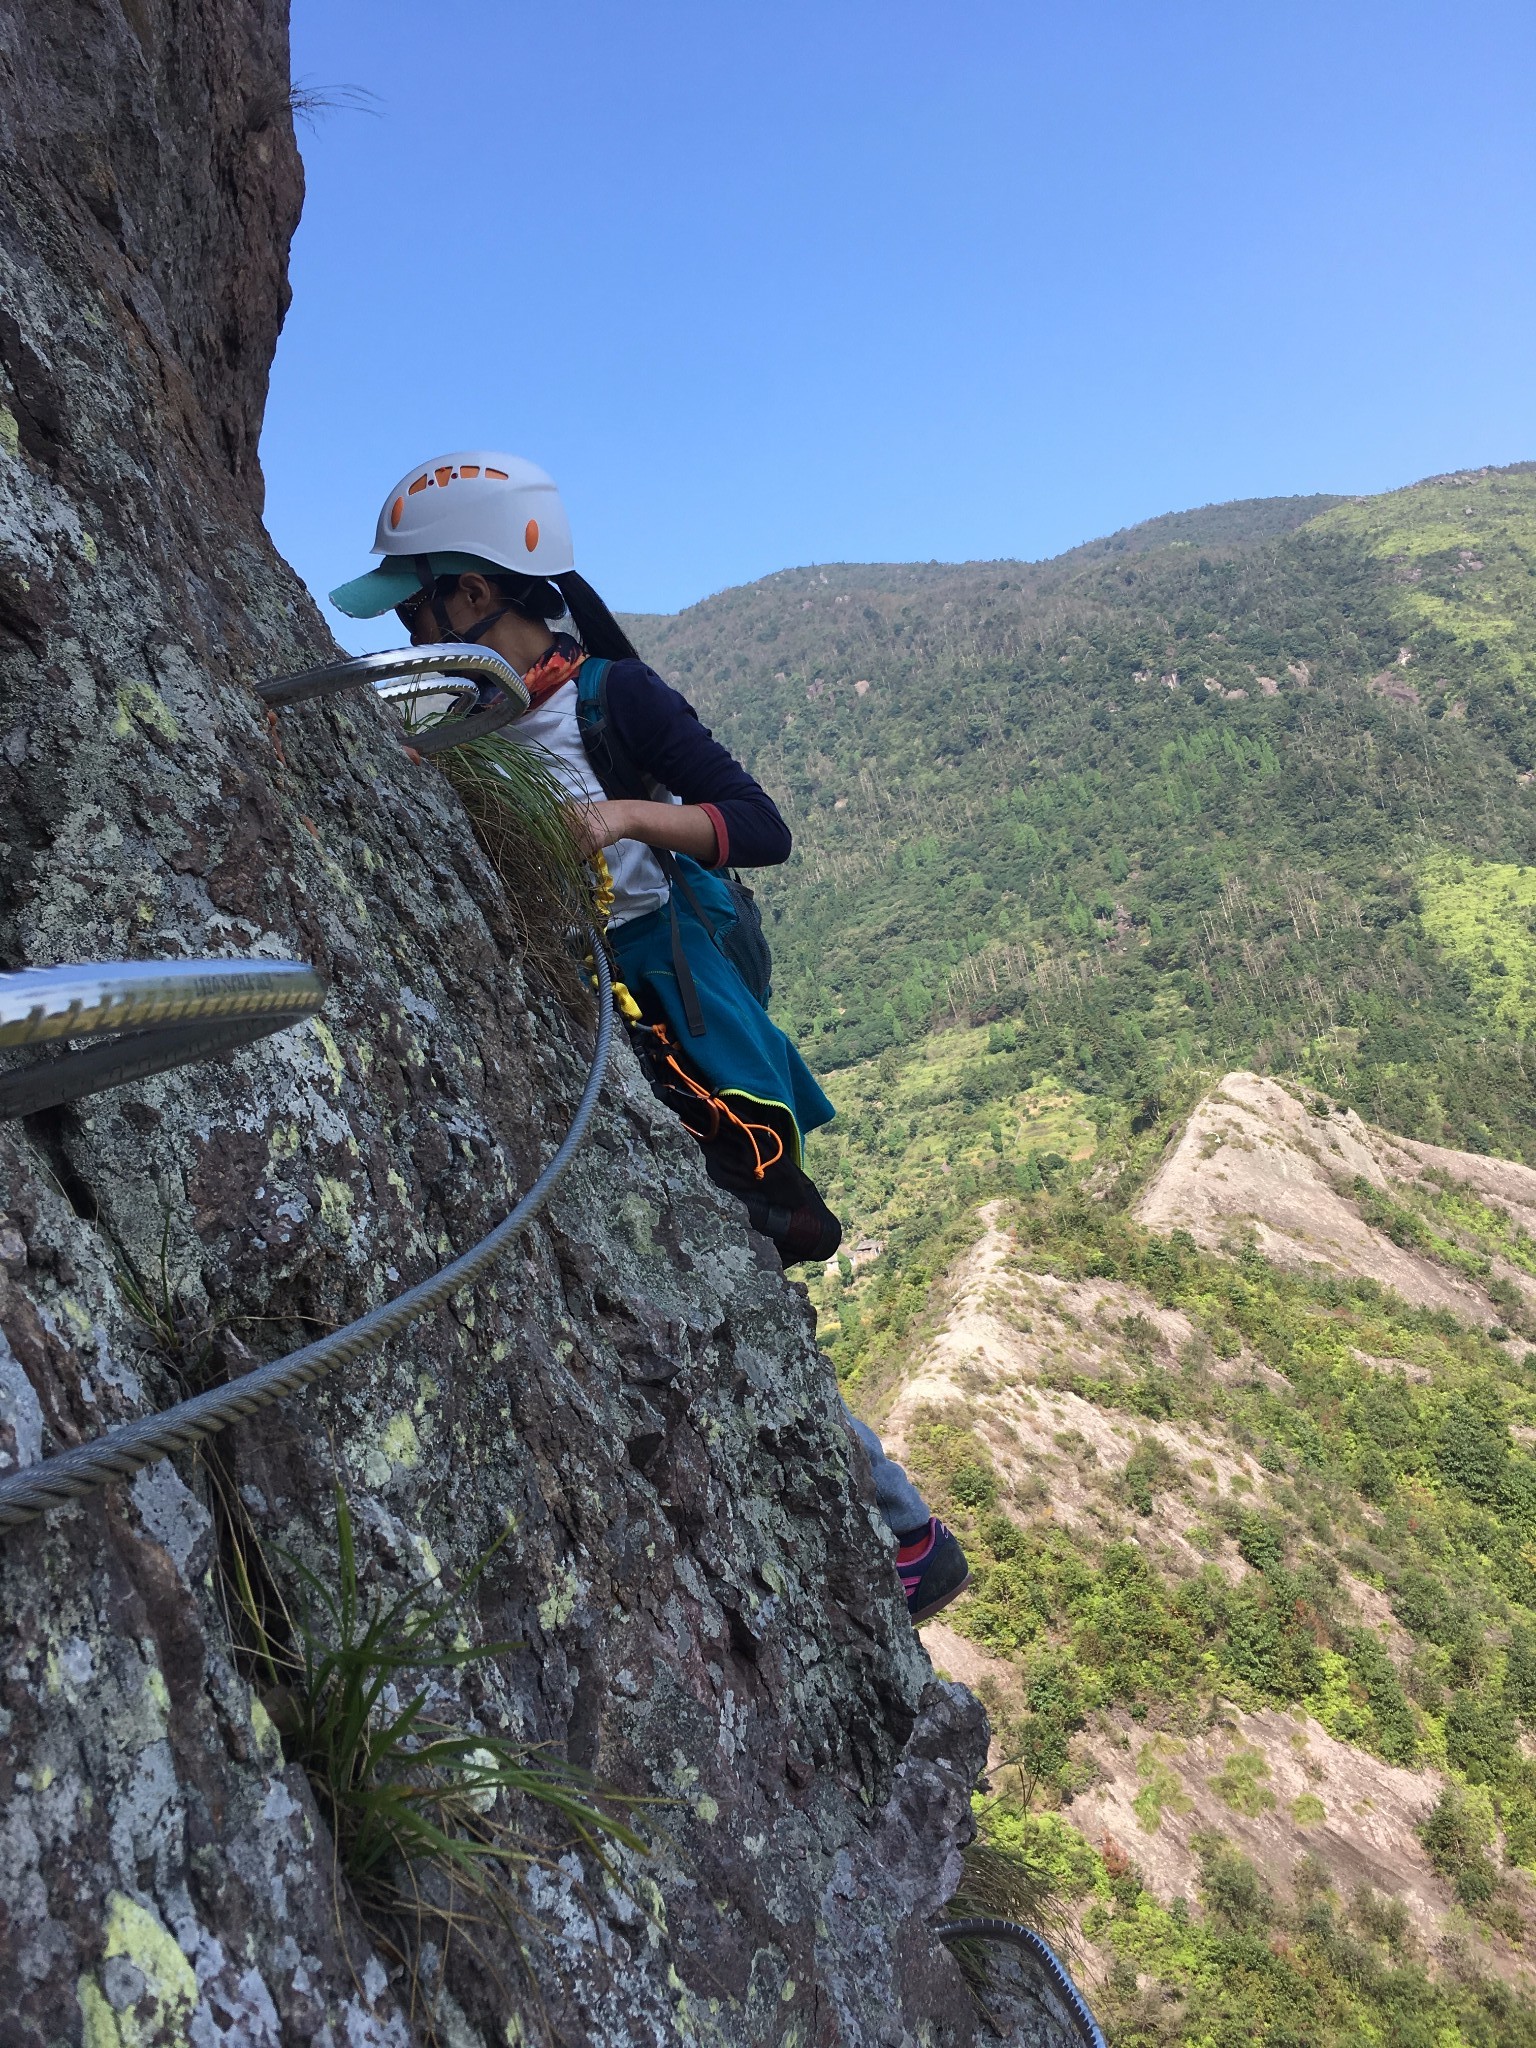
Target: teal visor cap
{"x": 397, "y": 578}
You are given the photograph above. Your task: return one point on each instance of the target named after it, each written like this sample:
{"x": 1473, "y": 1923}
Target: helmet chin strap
{"x": 450, "y": 634}
{"x": 446, "y": 633}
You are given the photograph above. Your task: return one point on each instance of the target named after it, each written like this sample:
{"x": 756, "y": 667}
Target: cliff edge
{"x": 696, "y": 1591}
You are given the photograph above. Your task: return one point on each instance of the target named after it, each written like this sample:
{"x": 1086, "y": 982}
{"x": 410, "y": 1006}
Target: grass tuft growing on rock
{"x": 429, "y": 1821}
{"x": 517, "y": 810}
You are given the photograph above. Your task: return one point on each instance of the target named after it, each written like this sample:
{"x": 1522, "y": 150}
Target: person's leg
{"x": 929, "y": 1561}
{"x": 903, "y": 1507}
{"x": 781, "y": 1201}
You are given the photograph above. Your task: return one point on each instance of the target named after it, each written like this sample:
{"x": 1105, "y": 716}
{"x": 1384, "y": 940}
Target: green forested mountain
{"x": 1249, "y": 785}
{"x": 1252, "y": 787}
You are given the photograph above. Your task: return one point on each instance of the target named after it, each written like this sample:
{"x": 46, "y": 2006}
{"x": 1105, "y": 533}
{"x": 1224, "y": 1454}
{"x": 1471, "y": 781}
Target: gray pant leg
{"x": 895, "y": 1495}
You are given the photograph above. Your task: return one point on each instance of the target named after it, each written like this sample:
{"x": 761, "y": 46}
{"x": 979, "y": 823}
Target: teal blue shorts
{"x": 742, "y": 1052}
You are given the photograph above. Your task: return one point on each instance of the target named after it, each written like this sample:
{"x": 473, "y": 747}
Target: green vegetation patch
{"x": 1251, "y": 1967}
{"x": 1482, "y": 914}
{"x": 939, "y": 1122}
{"x": 1242, "y": 1783}
{"x": 1239, "y": 1962}
{"x": 1463, "y": 549}
{"x": 1162, "y": 1789}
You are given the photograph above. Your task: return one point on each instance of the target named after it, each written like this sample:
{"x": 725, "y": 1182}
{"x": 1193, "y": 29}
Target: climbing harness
{"x": 658, "y": 1051}
{"x": 168, "y": 1012}
{"x": 1014, "y": 1935}
{"x": 101, "y": 993}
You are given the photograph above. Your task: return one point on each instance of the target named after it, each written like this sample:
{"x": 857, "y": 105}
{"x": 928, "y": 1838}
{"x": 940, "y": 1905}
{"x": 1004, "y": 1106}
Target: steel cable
{"x": 1036, "y": 1945}
{"x": 209, "y": 1006}
{"x": 79, "y": 1470}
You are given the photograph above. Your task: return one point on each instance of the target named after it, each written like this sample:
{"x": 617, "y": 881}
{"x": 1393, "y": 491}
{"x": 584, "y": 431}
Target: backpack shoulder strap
{"x": 592, "y": 721}
{"x": 621, "y": 778}
{"x": 618, "y": 772}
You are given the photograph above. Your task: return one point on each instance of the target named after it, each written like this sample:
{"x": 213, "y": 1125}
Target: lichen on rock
{"x": 698, "y": 1589}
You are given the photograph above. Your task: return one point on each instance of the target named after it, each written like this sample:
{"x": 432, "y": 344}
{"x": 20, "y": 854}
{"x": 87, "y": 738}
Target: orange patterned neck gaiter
{"x": 553, "y": 669}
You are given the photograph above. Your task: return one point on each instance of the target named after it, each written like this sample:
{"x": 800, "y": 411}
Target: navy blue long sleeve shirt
{"x": 662, "y": 733}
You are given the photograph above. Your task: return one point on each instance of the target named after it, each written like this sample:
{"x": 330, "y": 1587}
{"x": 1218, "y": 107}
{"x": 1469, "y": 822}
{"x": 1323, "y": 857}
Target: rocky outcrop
{"x": 1254, "y": 1160}
{"x": 697, "y": 1590}
{"x": 1013, "y": 1361}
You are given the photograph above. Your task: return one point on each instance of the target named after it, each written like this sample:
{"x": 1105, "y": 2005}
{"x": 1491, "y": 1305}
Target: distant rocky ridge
{"x": 1033, "y": 1373}
{"x": 1259, "y": 1161}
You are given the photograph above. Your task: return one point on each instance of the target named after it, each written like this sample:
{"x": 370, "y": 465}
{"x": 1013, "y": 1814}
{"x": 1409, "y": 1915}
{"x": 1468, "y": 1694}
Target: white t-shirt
{"x": 638, "y": 882}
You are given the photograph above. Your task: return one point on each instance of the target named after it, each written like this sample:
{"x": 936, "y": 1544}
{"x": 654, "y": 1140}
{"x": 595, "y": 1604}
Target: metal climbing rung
{"x": 404, "y": 663}
{"x": 406, "y": 689}
{"x": 70, "y": 1474}
{"x": 410, "y": 672}
{"x": 153, "y": 1015}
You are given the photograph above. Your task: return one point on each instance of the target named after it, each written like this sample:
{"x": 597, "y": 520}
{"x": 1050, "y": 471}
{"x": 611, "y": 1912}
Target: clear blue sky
{"x": 764, "y": 284}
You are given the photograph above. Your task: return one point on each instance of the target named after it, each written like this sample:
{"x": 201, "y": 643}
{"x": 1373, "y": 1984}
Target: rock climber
{"x": 477, "y": 547}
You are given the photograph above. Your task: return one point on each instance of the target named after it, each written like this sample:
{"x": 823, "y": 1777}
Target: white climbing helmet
{"x": 462, "y": 511}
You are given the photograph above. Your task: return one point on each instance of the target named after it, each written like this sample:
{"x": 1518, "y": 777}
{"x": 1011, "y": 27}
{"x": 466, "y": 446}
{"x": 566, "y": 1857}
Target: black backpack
{"x": 744, "y": 943}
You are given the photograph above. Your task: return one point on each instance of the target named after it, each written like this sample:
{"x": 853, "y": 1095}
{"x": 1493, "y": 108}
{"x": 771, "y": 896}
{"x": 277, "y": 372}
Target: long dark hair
{"x": 546, "y": 598}
{"x": 600, "y": 631}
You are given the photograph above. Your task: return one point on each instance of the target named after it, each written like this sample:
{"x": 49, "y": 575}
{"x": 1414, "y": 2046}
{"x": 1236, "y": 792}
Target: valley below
{"x": 1160, "y": 923}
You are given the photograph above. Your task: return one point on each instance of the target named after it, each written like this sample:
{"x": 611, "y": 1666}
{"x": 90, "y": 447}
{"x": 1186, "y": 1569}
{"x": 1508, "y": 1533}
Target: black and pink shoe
{"x": 932, "y": 1569}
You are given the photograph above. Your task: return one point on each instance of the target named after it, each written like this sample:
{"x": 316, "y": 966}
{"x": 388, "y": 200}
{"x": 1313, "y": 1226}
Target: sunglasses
{"x": 410, "y": 611}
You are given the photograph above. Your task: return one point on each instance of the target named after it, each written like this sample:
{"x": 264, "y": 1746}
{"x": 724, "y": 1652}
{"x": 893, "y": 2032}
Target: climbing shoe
{"x": 932, "y": 1569}
{"x": 807, "y": 1231}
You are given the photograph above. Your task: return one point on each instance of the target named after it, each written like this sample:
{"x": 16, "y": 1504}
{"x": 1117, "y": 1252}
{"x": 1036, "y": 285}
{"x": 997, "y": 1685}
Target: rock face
{"x": 698, "y": 1593}
{"x": 1253, "y": 1158}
